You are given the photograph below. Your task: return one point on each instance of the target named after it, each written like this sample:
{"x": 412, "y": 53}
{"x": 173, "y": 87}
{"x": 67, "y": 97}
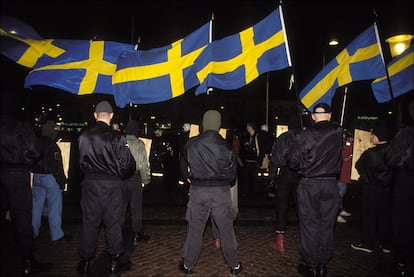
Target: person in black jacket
{"x": 19, "y": 150}
{"x": 316, "y": 155}
{"x": 106, "y": 160}
{"x": 210, "y": 166}
{"x": 286, "y": 183}
{"x": 249, "y": 152}
{"x": 376, "y": 191}
{"x": 48, "y": 182}
{"x": 400, "y": 157}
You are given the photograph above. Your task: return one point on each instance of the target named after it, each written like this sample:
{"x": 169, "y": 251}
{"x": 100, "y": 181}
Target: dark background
{"x": 309, "y": 26}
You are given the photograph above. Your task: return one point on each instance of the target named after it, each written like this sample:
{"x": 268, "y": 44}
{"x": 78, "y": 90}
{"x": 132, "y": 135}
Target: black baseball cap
{"x": 322, "y": 108}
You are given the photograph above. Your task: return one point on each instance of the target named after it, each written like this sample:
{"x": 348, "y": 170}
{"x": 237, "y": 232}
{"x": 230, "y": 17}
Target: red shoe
{"x": 217, "y": 243}
{"x": 278, "y": 243}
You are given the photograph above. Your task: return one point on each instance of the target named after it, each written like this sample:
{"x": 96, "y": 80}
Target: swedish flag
{"x": 83, "y": 66}
{"x": 360, "y": 60}
{"x": 76, "y": 66}
{"x": 155, "y": 75}
{"x": 237, "y": 60}
{"x": 401, "y": 73}
{"x": 23, "y": 45}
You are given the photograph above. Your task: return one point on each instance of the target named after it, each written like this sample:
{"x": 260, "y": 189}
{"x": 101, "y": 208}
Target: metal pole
{"x": 267, "y": 99}
{"x": 343, "y": 106}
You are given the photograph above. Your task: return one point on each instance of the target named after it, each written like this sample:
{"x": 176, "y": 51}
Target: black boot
{"x": 138, "y": 237}
{"x": 322, "y": 270}
{"x": 84, "y": 266}
{"x": 311, "y": 271}
{"x": 31, "y": 266}
{"x": 118, "y": 264}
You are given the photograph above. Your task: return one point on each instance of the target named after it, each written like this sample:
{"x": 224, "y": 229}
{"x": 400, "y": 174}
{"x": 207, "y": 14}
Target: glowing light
{"x": 399, "y": 43}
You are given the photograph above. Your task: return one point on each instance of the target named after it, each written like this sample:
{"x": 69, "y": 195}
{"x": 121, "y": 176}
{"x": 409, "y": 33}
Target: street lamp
{"x": 399, "y": 43}
{"x": 331, "y": 43}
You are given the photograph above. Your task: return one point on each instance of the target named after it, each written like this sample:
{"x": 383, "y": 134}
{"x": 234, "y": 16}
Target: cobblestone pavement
{"x": 166, "y": 227}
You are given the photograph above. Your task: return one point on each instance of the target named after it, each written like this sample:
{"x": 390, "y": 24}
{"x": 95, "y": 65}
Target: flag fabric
{"x": 76, "y": 66}
{"x": 82, "y": 66}
{"x": 155, "y": 75}
{"x": 16, "y": 37}
{"x": 235, "y": 61}
{"x": 401, "y": 74}
{"x": 362, "y": 59}
{"x": 15, "y": 26}
{"x": 22, "y": 44}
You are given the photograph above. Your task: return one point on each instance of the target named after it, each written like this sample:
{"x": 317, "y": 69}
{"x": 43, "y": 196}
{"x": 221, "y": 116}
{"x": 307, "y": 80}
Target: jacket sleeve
{"x": 399, "y": 154}
{"x": 31, "y": 145}
{"x": 57, "y": 166}
{"x": 183, "y": 165}
{"x": 143, "y": 164}
{"x": 294, "y": 153}
{"x": 126, "y": 161}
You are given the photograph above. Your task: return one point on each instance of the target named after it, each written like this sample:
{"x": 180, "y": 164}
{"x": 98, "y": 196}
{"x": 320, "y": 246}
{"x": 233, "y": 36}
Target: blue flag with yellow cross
{"x": 361, "y": 60}
{"x": 83, "y": 67}
{"x": 159, "y": 74}
{"x": 75, "y": 66}
{"x": 401, "y": 73}
{"x": 235, "y": 61}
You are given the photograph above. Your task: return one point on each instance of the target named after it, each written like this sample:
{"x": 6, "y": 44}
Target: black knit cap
{"x": 132, "y": 128}
{"x": 49, "y": 129}
{"x": 322, "y": 108}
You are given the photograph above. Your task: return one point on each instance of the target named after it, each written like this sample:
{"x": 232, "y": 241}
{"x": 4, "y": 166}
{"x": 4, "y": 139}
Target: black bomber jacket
{"x": 208, "y": 160}
{"x": 105, "y": 151}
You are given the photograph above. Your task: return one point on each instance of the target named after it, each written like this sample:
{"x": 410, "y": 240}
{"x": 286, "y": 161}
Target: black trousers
{"x": 318, "y": 203}
{"x": 16, "y": 196}
{"x": 285, "y": 192}
{"x": 376, "y": 215}
{"x": 248, "y": 179}
{"x": 101, "y": 201}
{"x": 403, "y": 215}
{"x": 132, "y": 191}
{"x": 203, "y": 202}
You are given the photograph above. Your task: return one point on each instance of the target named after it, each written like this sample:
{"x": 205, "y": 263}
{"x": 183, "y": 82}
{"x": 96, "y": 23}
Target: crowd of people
{"x": 310, "y": 168}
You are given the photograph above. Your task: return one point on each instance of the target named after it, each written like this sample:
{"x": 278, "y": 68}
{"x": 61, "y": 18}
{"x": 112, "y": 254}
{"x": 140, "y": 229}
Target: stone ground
{"x": 166, "y": 227}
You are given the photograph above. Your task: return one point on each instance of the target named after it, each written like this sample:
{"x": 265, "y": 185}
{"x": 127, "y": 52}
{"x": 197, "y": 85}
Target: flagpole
{"x": 343, "y": 106}
{"x": 292, "y": 80}
{"x": 393, "y": 105}
{"x": 210, "y": 40}
{"x": 267, "y": 99}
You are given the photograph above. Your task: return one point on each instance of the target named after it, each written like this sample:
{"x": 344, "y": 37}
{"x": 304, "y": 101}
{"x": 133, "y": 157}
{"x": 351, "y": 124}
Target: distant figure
{"x": 286, "y": 181}
{"x": 19, "y": 150}
{"x": 161, "y": 154}
{"x": 133, "y": 186}
{"x": 400, "y": 156}
{"x": 49, "y": 181}
{"x": 250, "y": 155}
{"x": 106, "y": 160}
{"x": 345, "y": 177}
{"x": 316, "y": 156}
{"x": 116, "y": 127}
{"x": 210, "y": 166}
{"x": 375, "y": 178}
{"x": 265, "y": 142}
{"x": 184, "y": 136}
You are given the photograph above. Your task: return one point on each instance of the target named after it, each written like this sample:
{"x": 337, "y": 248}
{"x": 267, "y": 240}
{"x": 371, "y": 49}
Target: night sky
{"x": 309, "y": 25}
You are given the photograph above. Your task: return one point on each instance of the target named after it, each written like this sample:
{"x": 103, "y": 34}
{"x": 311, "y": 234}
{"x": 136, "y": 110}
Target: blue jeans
{"x": 342, "y": 191}
{"x": 45, "y": 188}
